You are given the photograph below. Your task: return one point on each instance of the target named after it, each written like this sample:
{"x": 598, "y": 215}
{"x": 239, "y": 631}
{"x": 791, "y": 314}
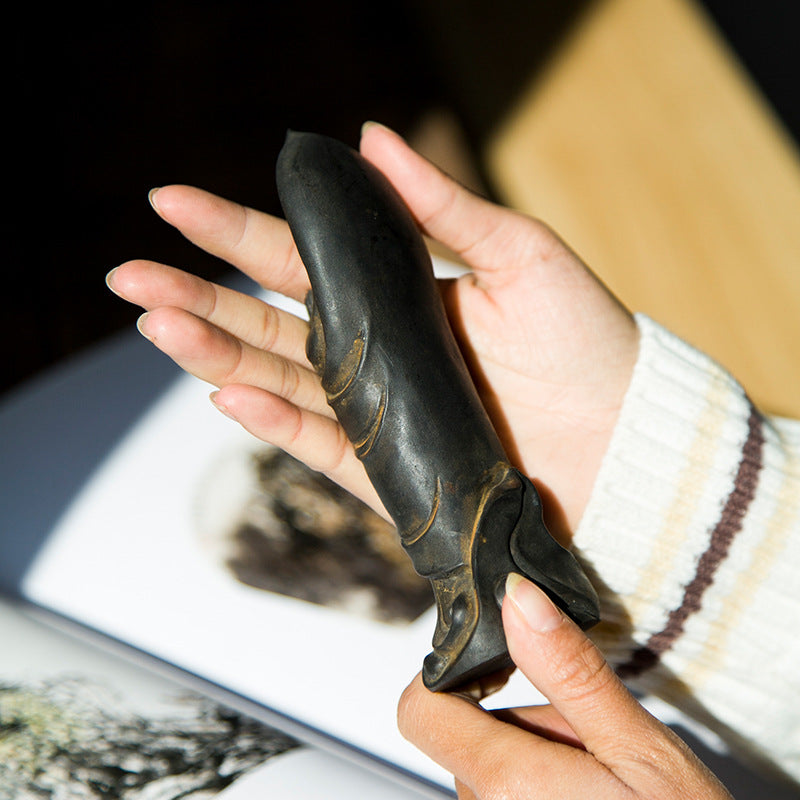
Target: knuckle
{"x": 207, "y": 297}
{"x": 289, "y": 380}
{"x": 236, "y": 363}
{"x": 287, "y": 267}
{"x": 238, "y": 234}
{"x": 662, "y": 761}
{"x": 446, "y": 202}
{"x": 295, "y": 430}
{"x": 270, "y": 328}
{"x": 340, "y": 451}
{"x": 582, "y": 673}
{"x": 331, "y": 460}
{"x": 498, "y": 781}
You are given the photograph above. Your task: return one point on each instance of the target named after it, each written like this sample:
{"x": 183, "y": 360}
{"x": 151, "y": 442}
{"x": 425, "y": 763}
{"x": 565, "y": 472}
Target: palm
{"x": 551, "y": 352}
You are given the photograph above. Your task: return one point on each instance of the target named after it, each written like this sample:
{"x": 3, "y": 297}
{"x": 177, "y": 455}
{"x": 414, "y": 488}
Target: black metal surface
{"x": 395, "y": 377}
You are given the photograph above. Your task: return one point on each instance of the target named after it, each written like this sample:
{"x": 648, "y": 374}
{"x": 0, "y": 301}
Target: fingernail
{"x": 151, "y": 196}
{"x": 533, "y": 605}
{"x": 110, "y": 280}
{"x": 141, "y": 324}
{"x": 372, "y": 124}
{"x": 213, "y": 398}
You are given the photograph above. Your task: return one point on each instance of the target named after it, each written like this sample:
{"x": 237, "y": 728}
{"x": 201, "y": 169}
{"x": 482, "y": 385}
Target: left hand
{"x": 549, "y": 348}
{"x": 593, "y": 739}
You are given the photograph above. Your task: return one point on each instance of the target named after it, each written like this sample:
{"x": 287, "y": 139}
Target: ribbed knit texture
{"x": 692, "y": 535}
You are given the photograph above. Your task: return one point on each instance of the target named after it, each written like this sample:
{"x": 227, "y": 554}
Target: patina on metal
{"x": 393, "y": 373}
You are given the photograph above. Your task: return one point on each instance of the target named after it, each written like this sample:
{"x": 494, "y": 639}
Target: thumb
{"x": 492, "y": 240}
{"x": 567, "y": 668}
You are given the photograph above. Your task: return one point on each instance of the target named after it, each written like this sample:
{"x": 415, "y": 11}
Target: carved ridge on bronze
{"x": 410, "y": 537}
{"x": 348, "y": 370}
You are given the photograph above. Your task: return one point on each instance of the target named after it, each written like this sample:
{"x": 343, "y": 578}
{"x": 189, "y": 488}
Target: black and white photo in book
{"x": 301, "y": 535}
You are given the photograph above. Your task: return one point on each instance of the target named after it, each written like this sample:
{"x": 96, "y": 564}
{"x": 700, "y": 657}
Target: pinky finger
{"x": 316, "y": 440}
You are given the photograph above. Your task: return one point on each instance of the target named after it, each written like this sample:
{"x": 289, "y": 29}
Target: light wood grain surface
{"x": 647, "y": 147}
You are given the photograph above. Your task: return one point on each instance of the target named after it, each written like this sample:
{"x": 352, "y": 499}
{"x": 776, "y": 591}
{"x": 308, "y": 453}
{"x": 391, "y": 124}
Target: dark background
{"x": 103, "y": 108}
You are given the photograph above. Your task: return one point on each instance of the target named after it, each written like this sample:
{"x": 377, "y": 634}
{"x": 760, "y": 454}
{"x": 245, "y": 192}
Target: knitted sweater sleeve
{"x": 692, "y": 535}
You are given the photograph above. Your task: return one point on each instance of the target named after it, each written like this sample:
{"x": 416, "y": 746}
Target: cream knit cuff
{"x": 692, "y": 536}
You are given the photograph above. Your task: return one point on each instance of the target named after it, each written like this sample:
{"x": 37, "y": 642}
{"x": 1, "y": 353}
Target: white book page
{"x": 311, "y": 774}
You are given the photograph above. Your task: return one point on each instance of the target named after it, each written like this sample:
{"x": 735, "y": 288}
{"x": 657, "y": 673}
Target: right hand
{"x": 550, "y": 350}
{"x": 593, "y": 739}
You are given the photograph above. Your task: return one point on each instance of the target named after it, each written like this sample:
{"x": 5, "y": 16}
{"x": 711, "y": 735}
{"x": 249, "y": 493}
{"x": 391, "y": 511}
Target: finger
{"x": 542, "y": 720}
{"x": 492, "y": 239}
{"x": 151, "y": 285}
{"x": 258, "y": 244}
{"x": 566, "y": 667}
{"x": 213, "y": 355}
{"x": 448, "y": 728}
{"x": 494, "y": 759}
{"x": 315, "y": 439}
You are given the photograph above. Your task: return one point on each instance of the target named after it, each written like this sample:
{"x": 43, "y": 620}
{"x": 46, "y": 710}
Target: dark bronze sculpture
{"x": 398, "y": 384}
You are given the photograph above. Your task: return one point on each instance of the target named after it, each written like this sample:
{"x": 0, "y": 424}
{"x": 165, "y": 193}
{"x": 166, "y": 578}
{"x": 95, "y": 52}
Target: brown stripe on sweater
{"x": 728, "y": 525}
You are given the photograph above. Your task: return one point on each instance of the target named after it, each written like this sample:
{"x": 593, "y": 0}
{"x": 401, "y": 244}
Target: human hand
{"x": 550, "y": 350}
{"x": 593, "y": 739}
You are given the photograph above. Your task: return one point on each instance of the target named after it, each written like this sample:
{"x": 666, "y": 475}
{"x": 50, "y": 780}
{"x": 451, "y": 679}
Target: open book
{"x": 246, "y": 576}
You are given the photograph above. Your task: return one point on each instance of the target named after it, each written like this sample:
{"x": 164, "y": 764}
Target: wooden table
{"x": 646, "y": 145}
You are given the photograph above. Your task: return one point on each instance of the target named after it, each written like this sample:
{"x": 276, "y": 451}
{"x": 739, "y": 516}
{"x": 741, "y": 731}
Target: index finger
{"x": 256, "y": 243}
